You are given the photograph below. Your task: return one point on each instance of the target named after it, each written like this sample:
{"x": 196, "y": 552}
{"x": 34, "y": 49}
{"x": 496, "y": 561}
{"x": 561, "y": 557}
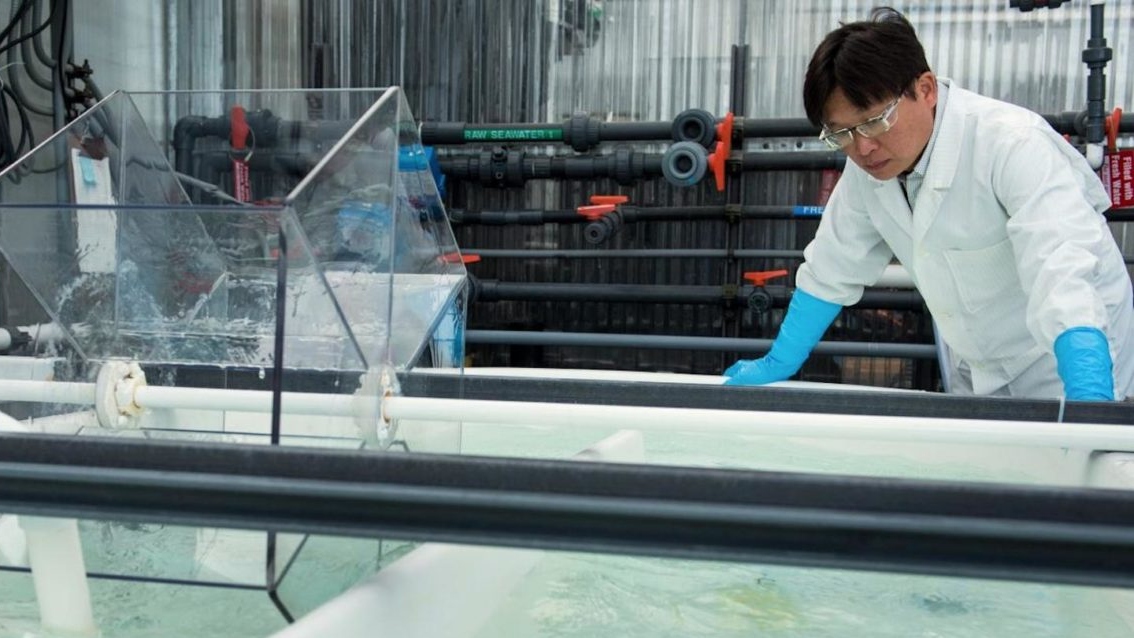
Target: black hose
{"x": 28, "y": 33}
{"x": 17, "y": 86}
{"x": 40, "y": 50}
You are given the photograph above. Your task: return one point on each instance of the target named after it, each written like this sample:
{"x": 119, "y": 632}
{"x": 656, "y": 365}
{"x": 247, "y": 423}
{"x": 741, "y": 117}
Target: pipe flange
{"x": 623, "y": 165}
{"x": 685, "y": 164}
{"x": 695, "y": 125}
{"x": 760, "y": 301}
{"x": 515, "y": 168}
{"x": 581, "y": 132}
{"x": 603, "y": 228}
{"x": 375, "y": 428}
{"x": 115, "y": 391}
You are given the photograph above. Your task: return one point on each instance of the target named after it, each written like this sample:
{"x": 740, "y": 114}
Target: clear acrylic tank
{"x": 280, "y": 244}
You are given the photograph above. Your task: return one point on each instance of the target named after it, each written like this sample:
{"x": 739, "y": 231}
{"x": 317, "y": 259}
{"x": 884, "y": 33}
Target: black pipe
{"x": 502, "y": 168}
{"x": 1029, "y": 5}
{"x": 268, "y": 131}
{"x": 794, "y": 161}
{"x": 514, "y": 217}
{"x": 646, "y": 253}
{"x": 631, "y": 213}
{"x": 585, "y": 136}
{"x": 671, "y": 342}
{"x": 603, "y": 228}
{"x": 1012, "y": 532}
{"x": 1096, "y": 55}
{"x": 185, "y": 134}
{"x": 632, "y": 253}
{"x": 491, "y": 290}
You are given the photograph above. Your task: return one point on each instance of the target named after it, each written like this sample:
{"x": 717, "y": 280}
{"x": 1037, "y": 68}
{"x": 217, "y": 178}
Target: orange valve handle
{"x": 458, "y": 258}
{"x": 1112, "y": 124}
{"x": 609, "y": 199}
{"x": 761, "y": 277}
{"x": 724, "y": 148}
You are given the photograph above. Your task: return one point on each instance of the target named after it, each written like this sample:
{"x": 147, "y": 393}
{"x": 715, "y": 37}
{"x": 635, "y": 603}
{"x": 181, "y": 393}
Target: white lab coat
{"x": 1006, "y": 243}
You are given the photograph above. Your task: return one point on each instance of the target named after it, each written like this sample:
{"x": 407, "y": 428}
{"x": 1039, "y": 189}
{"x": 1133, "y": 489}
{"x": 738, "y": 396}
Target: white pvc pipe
{"x": 13, "y": 545}
{"x": 48, "y": 392}
{"x": 439, "y": 589}
{"x": 59, "y": 575}
{"x": 784, "y": 424}
{"x": 157, "y": 397}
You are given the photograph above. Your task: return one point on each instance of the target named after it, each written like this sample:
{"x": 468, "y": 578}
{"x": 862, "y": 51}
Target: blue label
{"x": 86, "y": 166}
{"x": 807, "y": 211}
{"x": 412, "y": 157}
{"x": 363, "y": 231}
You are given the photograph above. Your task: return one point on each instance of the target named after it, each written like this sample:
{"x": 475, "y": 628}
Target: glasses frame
{"x": 884, "y": 118}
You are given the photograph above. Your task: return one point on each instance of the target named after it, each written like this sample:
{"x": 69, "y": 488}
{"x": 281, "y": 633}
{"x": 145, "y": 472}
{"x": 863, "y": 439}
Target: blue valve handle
{"x": 807, "y": 318}
{"x": 1082, "y": 357}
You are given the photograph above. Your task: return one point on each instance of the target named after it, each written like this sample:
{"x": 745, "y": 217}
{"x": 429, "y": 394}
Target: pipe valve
{"x": 760, "y": 300}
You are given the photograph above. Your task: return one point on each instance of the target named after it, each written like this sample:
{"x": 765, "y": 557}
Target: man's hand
{"x": 807, "y": 318}
{"x": 758, "y": 371}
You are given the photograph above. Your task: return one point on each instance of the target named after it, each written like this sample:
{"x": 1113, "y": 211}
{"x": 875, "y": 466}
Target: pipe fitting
{"x": 581, "y": 132}
{"x": 760, "y": 301}
{"x": 375, "y": 427}
{"x": 115, "y": 389}
{"x": 685, "y": 164}
{"x": 695, "y": 125}
{"x": 603, "y": 228}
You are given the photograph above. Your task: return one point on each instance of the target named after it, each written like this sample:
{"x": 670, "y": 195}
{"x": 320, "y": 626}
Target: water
{"x": 587, "y": 595}
{"x": 322, "y": 568}
{"x": 579, "y": 595}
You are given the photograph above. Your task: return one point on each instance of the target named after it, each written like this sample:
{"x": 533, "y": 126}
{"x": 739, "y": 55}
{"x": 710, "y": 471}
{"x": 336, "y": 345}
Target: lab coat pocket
{"x": 983, "y": 276}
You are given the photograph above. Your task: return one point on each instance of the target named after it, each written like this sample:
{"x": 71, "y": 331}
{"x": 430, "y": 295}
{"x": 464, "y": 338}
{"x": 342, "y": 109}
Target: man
{"x": 996, "y": 217}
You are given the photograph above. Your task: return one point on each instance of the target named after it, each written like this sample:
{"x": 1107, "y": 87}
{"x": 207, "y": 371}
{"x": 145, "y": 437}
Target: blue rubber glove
{"x": 807, "y": 318}
{"x": 1082, "y": 358}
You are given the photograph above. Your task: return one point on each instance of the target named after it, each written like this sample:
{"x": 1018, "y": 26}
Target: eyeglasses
{"x": 873, "y": 127}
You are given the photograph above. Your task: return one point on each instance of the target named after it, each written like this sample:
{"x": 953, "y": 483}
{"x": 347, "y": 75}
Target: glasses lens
{"x": 838, "y": 139}
{"x": 873, "y": 128}
{"x": 879, "y": 125}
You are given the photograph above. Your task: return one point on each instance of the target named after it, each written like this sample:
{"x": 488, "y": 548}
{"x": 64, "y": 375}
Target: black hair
{"x": 872, "y": 61}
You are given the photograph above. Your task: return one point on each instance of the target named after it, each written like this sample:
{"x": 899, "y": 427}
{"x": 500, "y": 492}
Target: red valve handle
{"x": 761, "y": 277}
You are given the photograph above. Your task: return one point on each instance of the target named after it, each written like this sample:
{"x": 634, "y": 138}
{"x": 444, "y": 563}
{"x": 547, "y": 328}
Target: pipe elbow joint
{"x": 1095, "y": 156}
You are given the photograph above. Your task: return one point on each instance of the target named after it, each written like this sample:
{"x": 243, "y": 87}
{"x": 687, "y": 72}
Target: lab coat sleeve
{"x": 847, "y": 253}
{"x": 1057, "y": 234}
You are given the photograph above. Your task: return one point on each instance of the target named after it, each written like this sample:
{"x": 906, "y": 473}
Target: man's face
{"x": 886, "y": 155}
